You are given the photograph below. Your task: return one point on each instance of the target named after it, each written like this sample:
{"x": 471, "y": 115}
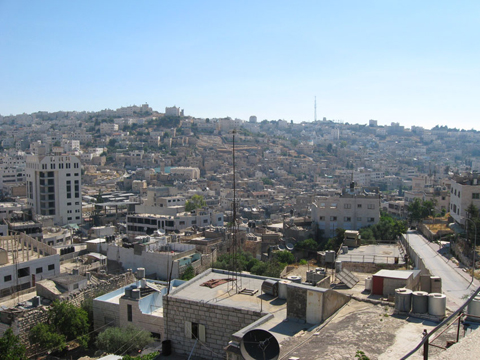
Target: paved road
{"x": 454, "y": 284}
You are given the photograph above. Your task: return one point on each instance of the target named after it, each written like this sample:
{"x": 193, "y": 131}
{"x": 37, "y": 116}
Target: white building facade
{"x": 54, "y": 187}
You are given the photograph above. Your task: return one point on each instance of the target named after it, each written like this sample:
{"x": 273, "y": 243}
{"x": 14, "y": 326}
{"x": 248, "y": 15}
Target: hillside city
{"x": 164, "y": 235}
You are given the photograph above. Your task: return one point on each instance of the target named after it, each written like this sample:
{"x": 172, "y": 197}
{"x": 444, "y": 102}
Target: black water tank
{"x": 166, "y": 347}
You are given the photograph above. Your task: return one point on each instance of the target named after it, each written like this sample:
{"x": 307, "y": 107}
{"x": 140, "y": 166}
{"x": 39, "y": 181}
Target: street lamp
{"x": 474, "y": 248}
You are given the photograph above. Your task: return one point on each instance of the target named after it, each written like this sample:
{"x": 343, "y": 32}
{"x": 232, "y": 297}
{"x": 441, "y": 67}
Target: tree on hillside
{"x": 195, "y": 202}
{"x": 10, "y": 347}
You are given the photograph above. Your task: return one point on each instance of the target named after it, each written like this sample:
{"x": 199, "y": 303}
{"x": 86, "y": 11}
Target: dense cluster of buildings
{"x": 117, "y": 187}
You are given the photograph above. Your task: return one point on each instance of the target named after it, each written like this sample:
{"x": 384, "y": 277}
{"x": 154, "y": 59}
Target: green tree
{"x": 117, "y": 340}
{"x": 189, "y": 273}
{"x": 65, "y": 322}
{"x": 308, "y": 244}
{"x": 47, "y": 338}
{"x": 267, "y": 181}
{"x": 10, "y": 347}
{"x": 285, "y": 257}
{"x": 195, "y": 202}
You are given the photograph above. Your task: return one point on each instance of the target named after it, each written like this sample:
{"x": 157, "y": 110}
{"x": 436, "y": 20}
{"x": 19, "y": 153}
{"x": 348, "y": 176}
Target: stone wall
{"x": 22, "y": 320}
{"x": 220, "y": 323}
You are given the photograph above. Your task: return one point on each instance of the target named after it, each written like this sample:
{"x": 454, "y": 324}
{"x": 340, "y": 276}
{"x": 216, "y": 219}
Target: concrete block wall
{"x": 220, "y": 323}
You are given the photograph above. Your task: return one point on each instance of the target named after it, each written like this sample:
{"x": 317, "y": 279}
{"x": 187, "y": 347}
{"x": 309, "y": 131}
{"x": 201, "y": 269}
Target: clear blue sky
{"x": 413, "y": 62}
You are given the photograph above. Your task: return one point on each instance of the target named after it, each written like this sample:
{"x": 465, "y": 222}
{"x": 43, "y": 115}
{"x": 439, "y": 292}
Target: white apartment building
{"x": 108, "y": 128}
{"x": 463, "y": 192}
{"x": 349, "y": 211}
{"x": 54, "y": 187}
{"x": 161, "y": 205}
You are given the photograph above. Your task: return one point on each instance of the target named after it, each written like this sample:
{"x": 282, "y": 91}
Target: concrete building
{"x": 465, "y": 190}
{"x": 351, "y": 210}
{"x": 23, "y": 261}
{"x": 161, "y": 205}
{"x": 54, "y": 187}
{"x": 386, "y": 281}
{"x": 139, "y": 304}
{"x": 159, "y": 258}
{"x": 173, "y": 111}
{"x": 186, "y": 173}
{"x": 207, "y": 317}
{"x": 146, "y": 224}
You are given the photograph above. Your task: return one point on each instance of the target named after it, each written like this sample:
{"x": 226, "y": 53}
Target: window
{"x": 205, "y": 221}
{"x": 51, "y": 267}
{"x": 67, "y": 166}
{"x": 194, "y": 331}
{"x": 474, "y": 196}
{"x": 129, "y": 313}
{"x": 68, "y": 174}
{"x": 458, "y": 193}
{"x": 23, "y": 272}
{"x": 370, "y": 219}
{"x": 347, "y": 219}
{"x": 76, "y": 174}
{"x": 359, "y": 206}
{"x": 52, "y": 166}
{"x": 77, "y": 203}
{"x": 333, "y": 218}
{"x": 181, "y": 223}
{"x": 39, "y": 270}
{"x": 321, "y": 218}
{"x": 69, "y": 218}
{"x": 347, "y": 206}
{"x": 68, "y": 204}
{"x": 7, "y": 278}
{"x": 371, "y": 206}
{"x": 75, "y": 165}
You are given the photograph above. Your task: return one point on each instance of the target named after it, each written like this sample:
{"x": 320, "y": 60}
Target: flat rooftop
{"x": 225, "y": 295}
{"x": 379, "y": 254}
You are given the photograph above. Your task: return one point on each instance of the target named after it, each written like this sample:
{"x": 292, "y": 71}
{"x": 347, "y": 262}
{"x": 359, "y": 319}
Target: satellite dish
{"x": 259, "y": 344}
{"x": 281, "y": 247}
{"x": 290, "y": 246}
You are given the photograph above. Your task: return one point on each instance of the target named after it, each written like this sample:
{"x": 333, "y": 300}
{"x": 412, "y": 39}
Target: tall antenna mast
{"x": 315, "y": 108}
{"x": 235, "y": 280}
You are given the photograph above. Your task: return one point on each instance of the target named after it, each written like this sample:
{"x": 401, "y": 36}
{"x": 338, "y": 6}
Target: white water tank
{"x": 368, "y": 283}
{"x": 338, "y": 266}
{"x": 437, "y": 304}
{"x": 282, "y": 289}
{"x": 344, "y": 249}
{"x": 140, "y": 273}
{"x": 329, "y": 256}
{"x": 403, "y": 300}
{"x": 436, "y": 284}
{"x": 295, "y": 279}
{"x": 474, "y": 309}
{"x": 420, "y": 302}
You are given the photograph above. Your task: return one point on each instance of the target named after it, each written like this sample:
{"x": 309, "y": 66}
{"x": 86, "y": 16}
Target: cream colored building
{"x": 349, "y": 211}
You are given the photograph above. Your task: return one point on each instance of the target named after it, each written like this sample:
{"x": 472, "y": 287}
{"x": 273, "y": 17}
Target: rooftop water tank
{"x": 141, "y": 273}
{"x": 329, "y": 256}
{"x": 295, "y": 279}
{"x": 338, "y": 266}
{"x": 368, "y": 283}
{"x": 474, "y": 309}
{"x": 437, "y": 304}
{"x": 282, "y": 289}
{"x": 403, "y": 300}
{"x": 344, "y": 249}
{"x": 270, "y": 287}
{"x": 420, "y": 302}
{"x": 136, "y": 294}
